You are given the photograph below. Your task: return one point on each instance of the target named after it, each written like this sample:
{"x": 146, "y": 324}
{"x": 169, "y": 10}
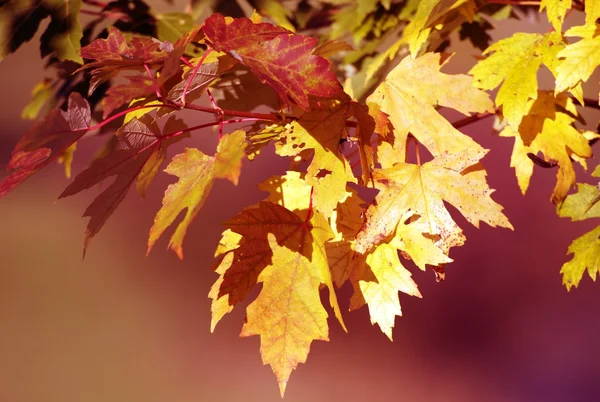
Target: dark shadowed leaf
{"x": 47, "y": 140}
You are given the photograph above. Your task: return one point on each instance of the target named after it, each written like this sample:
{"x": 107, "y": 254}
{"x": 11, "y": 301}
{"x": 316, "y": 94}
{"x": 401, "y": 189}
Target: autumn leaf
{"x": 410, "y": 239}
{"x": 143, "y": 139}
{"x": 267, "y": 50}
{"x": 40, "y": 96}
{"x": 290, "y": 191}
{"x": 365, "y": 127}
{"x": 19, "y": 22}
{"x": 196, "y": 172}
{"x": 113, "y": 55}
{"x": 577, "y": 61}
{"x": 586, "y": 256}
{"x": 409, "y": 95}
{"x": 516, "y": 61}
{"x": 117, "y": 95}
{"x": 47, "y": 140}
{"x": 172, "y": 26}
{"x": 584, "y": 203}
{"x": 427, "y": 14}
{"x": 548, "y": 128}
{"x": 329, "y": 171}
{"x": 477, "y": 33}
{"x": 213, "y": 67}
{"x": 288, "y": 314}
{"x": 220, "y": 304}
{"x": 379, "y": 280}
{"x": 423, "y": 190}
{"x": 556, "y": 10}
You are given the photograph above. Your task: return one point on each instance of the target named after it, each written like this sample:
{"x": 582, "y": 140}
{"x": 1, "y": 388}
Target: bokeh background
{"x": 121, "y": 326}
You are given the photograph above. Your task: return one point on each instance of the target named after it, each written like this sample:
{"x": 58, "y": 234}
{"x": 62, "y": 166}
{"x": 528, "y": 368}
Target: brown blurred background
{"x": 120, "y": 326}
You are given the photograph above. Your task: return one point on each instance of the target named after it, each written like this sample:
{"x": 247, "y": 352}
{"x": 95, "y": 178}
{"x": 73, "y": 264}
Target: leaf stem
{"x": 187, "y": 62}
{"x": 418, "y": 154}
{"x": 193, "y": 74}
{"x": 591, "y": 103}
{"x": 200, "y": 126}
{"x": 124, "y": 112}
{"x": 212, "y": 100}
{"x": 157, "y": 91}
{"x": 472, "y": 119}
{"x": 238, "y": 113}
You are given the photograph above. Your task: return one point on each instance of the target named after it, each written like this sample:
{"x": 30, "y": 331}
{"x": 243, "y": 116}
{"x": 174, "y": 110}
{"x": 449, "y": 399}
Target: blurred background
{"x": 121, "y": 326}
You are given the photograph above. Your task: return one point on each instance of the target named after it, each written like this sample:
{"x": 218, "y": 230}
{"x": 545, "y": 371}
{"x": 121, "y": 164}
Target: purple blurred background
{"x": 120, "y": 326}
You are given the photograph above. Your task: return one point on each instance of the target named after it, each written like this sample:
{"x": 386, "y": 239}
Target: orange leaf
{"x": 196, "y": 172}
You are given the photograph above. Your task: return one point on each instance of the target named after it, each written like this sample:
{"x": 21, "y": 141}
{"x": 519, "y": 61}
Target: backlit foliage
{"x": 357, "y": 93}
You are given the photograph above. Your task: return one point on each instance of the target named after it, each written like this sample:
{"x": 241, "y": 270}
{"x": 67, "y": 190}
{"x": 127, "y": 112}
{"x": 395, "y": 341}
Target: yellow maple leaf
{"x": 288, "y": 314}
{"x": 581, "y": 205}
{"x": 577, "y": 61}
{"x": 548, "y": 128}
{"x": 586, "y": 255}
{"x": 422, "y": 250}
{"x": 427, "y": 14}
{"x": 422, "y": 190}
{"x": 516, "y": 61}
{"x": 290, "y": 191}
{"x": 329, "y": 171}
{"x": 556, "y": 10}
{"x": 409, "y": 95}
{"x": 196, "y": 172}
{"x": 379, "y": 279}
{"x": 592, "y": 11}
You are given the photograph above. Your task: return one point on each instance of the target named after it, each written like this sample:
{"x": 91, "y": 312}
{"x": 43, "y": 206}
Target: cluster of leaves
{"x": 313, "y": 229}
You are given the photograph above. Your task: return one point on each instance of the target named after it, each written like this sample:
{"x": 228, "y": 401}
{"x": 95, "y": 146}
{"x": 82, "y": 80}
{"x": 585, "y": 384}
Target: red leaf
{"x": 115, "y": 48}
{"x": 47, "y": 140}
{"x": 276, "y": 56}
{"x": 126, "y": 165}
{"x": 254, "y": 253}
{"x": 144, "y": 140}
{"x": 138, "y": 87}
{"x": 114, "y": 54}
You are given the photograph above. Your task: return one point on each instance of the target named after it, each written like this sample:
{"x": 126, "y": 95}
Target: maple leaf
{"x": 113, "y": 55}
{"x": 586, "y": 255}
{"x": 427, "y": 15}
{"x": 19, "y": 22}
{"x": 47, "y": 140}
{"x": 288, "y": 314}
{"x": 577, "y": 61}
{"x": 144, "y": 139}
{"x": 548, "y": 128}
{"x": 379, "y": 279}
{"x": 412, "y": 90}
{"x": 422, "y": 250}
{"x": 40, "y": 96}
{"x": 116, "y": 96}
{"x": 276, "y": 56}
{"x": 213, "y": 67}
{"x": 583, "y": 204}
{"x": 556, "y": 10}
{"x": 516, "y": 61}
{"x": 220, "y": 304}
{"x": 321, "y": 131}
{"x": 422, "y": 190}
{"x": 172, "y": 26}
{"x": 365, "y": 128}
{"x": 196, "y": 172}
{"x": 477, "y": 33}
{"x": 290, "y": 191}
